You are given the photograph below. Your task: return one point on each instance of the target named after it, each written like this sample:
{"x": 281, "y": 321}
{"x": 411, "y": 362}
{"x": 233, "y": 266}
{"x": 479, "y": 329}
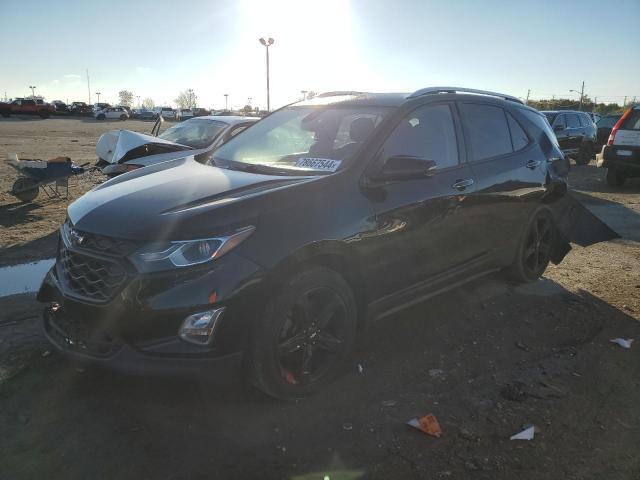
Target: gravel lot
{"x": 486, "y": 359}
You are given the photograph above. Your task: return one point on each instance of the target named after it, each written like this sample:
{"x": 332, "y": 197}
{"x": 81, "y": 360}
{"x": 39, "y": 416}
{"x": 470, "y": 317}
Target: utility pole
{"x": 595, "y": 104}
{"x": 624, "y": 104}
{"x": 138, "y": 100}
{"x": 581, "y": 96}
{"x": 526, "y": 102}
{"x": 226, "y": 104}
{"x": 267, "y": 43}
{"x": 88, "y": 86}
{"x": 304, "y": 94}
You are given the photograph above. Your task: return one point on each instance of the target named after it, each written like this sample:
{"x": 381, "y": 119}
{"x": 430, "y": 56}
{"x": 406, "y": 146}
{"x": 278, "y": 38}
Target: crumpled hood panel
{"x": 115, "y": 144}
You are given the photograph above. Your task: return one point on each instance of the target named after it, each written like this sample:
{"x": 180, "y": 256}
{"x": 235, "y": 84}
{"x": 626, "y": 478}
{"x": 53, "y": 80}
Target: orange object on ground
{"x": 428, "y": 424}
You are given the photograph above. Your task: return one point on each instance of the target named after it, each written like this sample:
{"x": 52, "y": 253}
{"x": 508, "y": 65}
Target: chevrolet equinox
{"x": 322, "y": 217}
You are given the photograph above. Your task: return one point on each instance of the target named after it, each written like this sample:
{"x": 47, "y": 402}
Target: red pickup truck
{"x": 26, "y": 106}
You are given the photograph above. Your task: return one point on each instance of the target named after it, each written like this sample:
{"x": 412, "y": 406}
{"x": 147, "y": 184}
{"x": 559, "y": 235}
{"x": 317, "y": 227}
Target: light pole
{"x": 98, "y": 94}
{"x": 581, "y": 92}
{"x": 267, "y": 43}
{"x": 226, "y": 98}
{"x": 138, "y": 96}
{"x": 304, "y": 94}
{"x": 33, "y": 90}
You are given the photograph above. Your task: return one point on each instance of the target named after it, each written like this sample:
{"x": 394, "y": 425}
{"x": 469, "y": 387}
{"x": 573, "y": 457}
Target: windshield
{"x": 608, "y": 122}
{"x": 194, "y": 133}
{"x": 313, "y": 138}
{"x": 550, "y": 116}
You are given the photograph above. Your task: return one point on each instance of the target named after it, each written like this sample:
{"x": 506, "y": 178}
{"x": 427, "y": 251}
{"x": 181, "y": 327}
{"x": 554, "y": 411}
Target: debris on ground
{"x": 360, "y": 369}
{"x": 436, "y": 373}
{"x": 389, "y": 403}
{"x": 428, "y": 424}
{"x": 347, "y": 426}
{"x": 623, "y": 342}
{"x": 526, "y": 434}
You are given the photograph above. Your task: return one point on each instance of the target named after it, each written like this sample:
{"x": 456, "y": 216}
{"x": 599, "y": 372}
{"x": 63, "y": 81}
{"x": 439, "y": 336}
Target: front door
{"x": 424, "y": 228}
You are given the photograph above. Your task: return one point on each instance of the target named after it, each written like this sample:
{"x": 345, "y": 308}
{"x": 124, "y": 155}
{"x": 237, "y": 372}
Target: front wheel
{"x": 123, "y": 117}
{"x": 535, "y": 249}
{"x": 101, "y": 117}
{"x": 614, "y": 177}
{"x": 306, "y": 335}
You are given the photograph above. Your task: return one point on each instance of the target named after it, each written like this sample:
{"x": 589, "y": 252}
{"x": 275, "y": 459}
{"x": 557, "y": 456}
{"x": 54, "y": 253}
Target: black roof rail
{"x": 434, "y": 90}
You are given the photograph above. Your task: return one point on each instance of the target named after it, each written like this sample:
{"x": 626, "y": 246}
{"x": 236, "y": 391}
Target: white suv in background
{"x": 167, "y": 113}
{"x": 112, "y": 113}
{"x": 621, "y": 155}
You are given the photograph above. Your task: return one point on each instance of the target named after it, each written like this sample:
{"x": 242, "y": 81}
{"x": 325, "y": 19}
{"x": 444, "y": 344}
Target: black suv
{"x": 576, "y": 134}
{"x": 325, "y": 215}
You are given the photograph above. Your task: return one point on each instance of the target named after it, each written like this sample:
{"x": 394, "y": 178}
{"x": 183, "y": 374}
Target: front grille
{"x": 93, "y": 278}
{"x": 80, "y": 336}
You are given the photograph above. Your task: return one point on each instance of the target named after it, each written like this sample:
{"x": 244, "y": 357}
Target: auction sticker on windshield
{"x": 323, "y": 164}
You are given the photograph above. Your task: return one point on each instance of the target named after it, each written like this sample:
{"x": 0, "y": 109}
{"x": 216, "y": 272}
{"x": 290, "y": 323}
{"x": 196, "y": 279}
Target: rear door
{"x": 509, "y": 170}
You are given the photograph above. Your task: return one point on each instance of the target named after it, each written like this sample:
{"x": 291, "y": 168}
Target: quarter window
{"x": 519, "y": 138}
{"x": 429, "y": 133}
{"x": 487, "y": 130}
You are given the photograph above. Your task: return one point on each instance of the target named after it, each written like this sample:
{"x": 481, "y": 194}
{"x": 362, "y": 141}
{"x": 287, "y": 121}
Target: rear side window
{"x": 572, "y": 120}
{"x": 632, "y": 122}
{"x": 585, "y": 120}
{"x": 519, "y": 138}
{"x": 487, "y": 130}
{"x": 541, "y": 122}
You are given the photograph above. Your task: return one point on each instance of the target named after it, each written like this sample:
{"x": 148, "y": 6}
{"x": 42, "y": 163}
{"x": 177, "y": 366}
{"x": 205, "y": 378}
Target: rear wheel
{"x": 123, "y": 117}
{"x": 614, "y": 177}
{"x": 306, "y": 335}
{"x": 25, "y": 189}
{"x": 101, "y": 116}
{"x": 534, "y": 252}
{"x": 585, "y": 154}
{"x": 5, "y": 113}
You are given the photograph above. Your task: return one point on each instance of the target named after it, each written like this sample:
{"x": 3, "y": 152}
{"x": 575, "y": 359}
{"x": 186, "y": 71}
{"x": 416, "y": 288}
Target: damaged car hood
{"x": 121, "y": 145}
{"x": 175, "y": 200}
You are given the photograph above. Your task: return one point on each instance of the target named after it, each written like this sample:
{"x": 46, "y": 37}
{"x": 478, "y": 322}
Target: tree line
{"x": 588, "y": 105}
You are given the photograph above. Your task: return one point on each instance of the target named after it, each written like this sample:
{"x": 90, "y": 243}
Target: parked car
{"x": 595, "y": 117}
{"x": 80, "y": 108}
{"x": 100, "y": 106}
{"x": 120, "y": 151}
{"x": 576, "y": 134}
{"x": 184, "y": 114}
{"x": 167, "y": 113}
{"x": 621, "y": 155}
{"x": 320, "y": 218}
{"x": 26, "y": 106}
{"x": 604, "y": 126}
{"x": 112, "y": 113}
{"x": 146, "y": 115}
{"x": 60, "y": 107}
{"x": 200, "y": 112}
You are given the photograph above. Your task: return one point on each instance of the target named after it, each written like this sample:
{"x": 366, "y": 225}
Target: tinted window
{"x": 585, "y": 120}
{"x": 429, "y": 133}
{"x": 541, "y": 122}
{"x": 519, "y": 138}
{"x": 632, "y": 122}
{"x": 487, "y": 130}
{"x": 572, "y": 120}
{"x": 560, "y": 120}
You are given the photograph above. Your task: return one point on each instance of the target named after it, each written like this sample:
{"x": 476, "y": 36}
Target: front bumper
{"x": 137, "y": 331}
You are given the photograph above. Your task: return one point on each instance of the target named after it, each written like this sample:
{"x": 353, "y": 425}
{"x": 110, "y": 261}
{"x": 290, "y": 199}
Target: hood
{"x": 176, "y": 200}
{"x": 121, "y": 145}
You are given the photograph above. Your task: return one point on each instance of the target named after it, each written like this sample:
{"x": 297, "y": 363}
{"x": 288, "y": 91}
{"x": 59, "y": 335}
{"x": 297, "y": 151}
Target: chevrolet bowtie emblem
{"x": 75, "y": 237}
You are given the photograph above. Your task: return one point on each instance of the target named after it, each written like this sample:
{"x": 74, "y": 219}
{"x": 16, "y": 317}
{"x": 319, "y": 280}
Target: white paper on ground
{"x": 526, "y": 434}
{"x": 624, "y": 343}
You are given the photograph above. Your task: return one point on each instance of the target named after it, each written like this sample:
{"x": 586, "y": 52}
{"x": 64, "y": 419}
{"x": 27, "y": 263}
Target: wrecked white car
{"x": 120, "y": 151}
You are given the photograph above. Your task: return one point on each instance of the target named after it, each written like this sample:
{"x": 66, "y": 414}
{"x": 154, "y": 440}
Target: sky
{"x": 157, "y": 48}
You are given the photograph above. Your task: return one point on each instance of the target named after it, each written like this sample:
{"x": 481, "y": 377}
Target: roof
{"x": 357, "y": 99}
{"x": 560, "y": 111}
{"x": 228, "y": 119}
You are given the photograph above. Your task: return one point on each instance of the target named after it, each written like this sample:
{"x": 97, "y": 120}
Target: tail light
{"x": 617, "y": 126}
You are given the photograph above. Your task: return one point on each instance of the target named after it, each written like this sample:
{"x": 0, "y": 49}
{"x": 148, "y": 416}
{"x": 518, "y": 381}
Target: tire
{"x": 43, "y": 114}
{"x": 585, "y": 154}
{"x": 306, "y": 336}
{"x": 101, "y": 117}
{"x": 614, "y": 177}
{"x": 25, "y": 189}
{"x": 5, "y": 113}
{"x": 535, "y": 249}
{"x": 123, "y": 117}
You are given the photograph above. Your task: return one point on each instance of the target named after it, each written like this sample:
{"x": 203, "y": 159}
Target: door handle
{"x": 532, "y": 164}
{"x": 462, "y": 184}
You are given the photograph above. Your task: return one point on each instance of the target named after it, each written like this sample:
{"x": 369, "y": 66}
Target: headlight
{"x": 164, "y": 256}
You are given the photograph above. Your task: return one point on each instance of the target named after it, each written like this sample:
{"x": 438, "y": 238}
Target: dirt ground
{"x": 486, "y": 359}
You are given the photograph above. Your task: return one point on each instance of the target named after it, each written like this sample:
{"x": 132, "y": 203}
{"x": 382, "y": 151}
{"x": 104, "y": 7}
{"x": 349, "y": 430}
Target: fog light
{"x": 200, "y": 327}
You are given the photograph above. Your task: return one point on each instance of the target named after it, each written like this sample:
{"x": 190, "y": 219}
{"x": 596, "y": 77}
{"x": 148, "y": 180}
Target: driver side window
{"x": 427, "y": 133}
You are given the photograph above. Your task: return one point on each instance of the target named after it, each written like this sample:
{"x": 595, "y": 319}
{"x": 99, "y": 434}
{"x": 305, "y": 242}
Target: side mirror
{"x": 558, "y": 128}
{"x": 406, "y": 167}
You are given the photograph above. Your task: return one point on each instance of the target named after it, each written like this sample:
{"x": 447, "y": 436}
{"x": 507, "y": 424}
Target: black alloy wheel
{"x": 536, "y": 247}
{"x": 306, "y": 335}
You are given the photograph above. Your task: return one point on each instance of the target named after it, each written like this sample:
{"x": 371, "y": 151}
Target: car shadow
{"x": 19, "y": 212}
{"x": 38, "y": 249}
{"x": 623, "y": 220}
{"x": 455, "y": 355}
